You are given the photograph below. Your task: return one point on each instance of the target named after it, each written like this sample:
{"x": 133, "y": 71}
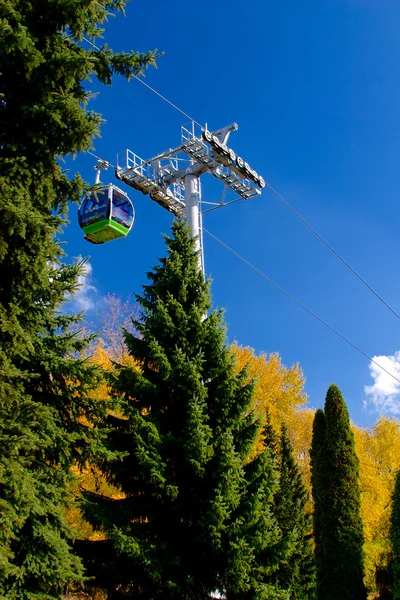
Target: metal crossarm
{"x": 142, "y": 176}
{"x": 172, "y": 178}
{"x": 222, "y": 163}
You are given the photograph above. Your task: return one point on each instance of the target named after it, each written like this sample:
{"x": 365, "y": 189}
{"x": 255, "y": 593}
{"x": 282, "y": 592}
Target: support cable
{"x": 100, "y": 159}
{"x": 321, "y": 239}
{"x": 153, "y": 90}
{"x": 167, "y": 101}
{"x": 310, "y": 312}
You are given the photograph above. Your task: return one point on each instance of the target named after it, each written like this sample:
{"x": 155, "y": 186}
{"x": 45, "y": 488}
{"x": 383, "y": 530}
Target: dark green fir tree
{"x": 254, "y": 524}
{"x": 184, "y": 432}
{"x": 337, "y": 522}
{"x": 384, "y": 577}
{"x": 45, "y": 408}
{"x": 297, "y": 572}
{"x": 270, "y": 435}
{"x": 395, "y": 539}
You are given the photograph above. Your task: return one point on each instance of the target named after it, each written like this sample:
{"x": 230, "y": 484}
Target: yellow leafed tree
{"x": 378, "y": 450}
{"x": 279, "y": 391}
{"x": 278, "y": 388}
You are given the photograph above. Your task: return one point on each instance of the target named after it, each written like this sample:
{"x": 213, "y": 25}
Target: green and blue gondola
{"x": 107, "y": 214}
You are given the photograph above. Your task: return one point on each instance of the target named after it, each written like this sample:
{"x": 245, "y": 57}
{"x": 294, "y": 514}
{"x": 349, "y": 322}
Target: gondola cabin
{"x": 106, "y": 215}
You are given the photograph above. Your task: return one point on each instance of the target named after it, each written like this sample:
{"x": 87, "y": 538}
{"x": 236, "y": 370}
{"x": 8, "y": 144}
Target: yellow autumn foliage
{"x": 90, "y": 479}
{"x": 278, "y": 389}
{"x": 378, "y": 450}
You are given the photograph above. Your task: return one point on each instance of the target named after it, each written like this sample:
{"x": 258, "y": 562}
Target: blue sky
{"x": 315, "y": 89}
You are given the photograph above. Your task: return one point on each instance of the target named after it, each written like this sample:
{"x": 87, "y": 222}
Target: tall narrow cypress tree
{"x": 336, "y": 492}
{"x": 395, "y": 539}
{"x": 175, "y": 529}
{"x": 45, "y": 408}
{"x": 318, "y": 474}
{"x": 297, "y": 571}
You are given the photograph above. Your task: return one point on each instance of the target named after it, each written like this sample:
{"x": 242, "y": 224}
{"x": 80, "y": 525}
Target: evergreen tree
{"x": 184, "y": 433}
{"x": 254, "y": 524}
{"x": 45, "y": 409}
{"x": 395, "y": 539}
{"x": 318, "y": 473}
{"x": 270, "y": 436}
{"x": 336, "y": 492}
{"x": 297, "y": 572}
{"x": 384, "y": 577}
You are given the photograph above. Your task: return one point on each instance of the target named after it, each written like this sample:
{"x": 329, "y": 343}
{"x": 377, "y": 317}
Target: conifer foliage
{"x": 45, "y": 408}
{"x": 255, "y": 526}
{"x": 189, "y": 517}
{"x": 297, "y": 571}
{"x": 318, "y": 473}
{"x": 395, "y": 539}
{"x": 337, "y": 522}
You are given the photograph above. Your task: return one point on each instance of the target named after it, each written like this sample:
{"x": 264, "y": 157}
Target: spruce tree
{"x": 254, "y": 524}
{"x": 395, "y": 539}
{"x": 336, "y": 492}
{"x": 270, "y": 435}
{"x": 176, "y": 528}
{"x": 297, "y": 571}
{"x": 45, "y": 409}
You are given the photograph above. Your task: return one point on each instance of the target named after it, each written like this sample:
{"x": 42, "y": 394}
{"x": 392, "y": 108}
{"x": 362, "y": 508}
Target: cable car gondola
{"x": 106, "y": 215}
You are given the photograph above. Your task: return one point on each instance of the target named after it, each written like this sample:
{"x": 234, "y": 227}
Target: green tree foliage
{"x": 297, "y": 571}
{"x": 45, "y": 409}
{"x": 270, "y": 435}
{"x": 254, "y": 525}
{"x": 191, "y": 516}
{"x": 395, "y": 538}
{"x": 318, "y": 473}
{"x": 337, "y": 522}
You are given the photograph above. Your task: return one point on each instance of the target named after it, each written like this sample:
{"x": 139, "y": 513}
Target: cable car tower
{"x": 172, "y": 178}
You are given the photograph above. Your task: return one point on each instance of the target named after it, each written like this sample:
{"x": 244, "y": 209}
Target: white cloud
{"x": 384, "y": 393}
{"x": 86, "y": 296}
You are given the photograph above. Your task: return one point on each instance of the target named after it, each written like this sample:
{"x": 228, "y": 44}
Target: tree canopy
{"x": 47, "y": 414}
